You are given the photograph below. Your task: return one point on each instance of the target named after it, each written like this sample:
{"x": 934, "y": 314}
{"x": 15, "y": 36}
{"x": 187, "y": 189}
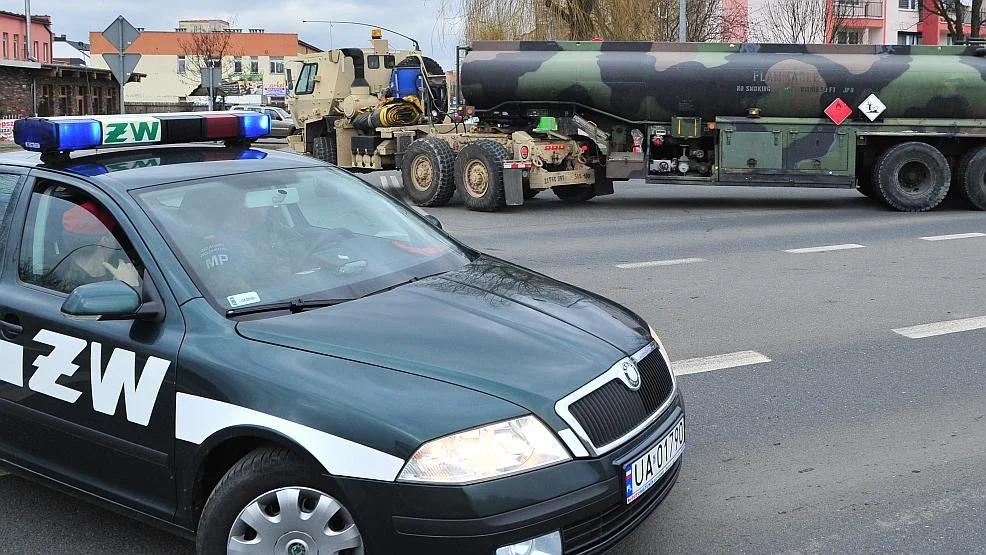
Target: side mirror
{"x": 104, "y": 299}
{"x": 433, "y": 221}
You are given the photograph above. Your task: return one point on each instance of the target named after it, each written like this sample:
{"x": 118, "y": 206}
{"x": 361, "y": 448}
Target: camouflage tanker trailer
{"x": 903, "y": 124}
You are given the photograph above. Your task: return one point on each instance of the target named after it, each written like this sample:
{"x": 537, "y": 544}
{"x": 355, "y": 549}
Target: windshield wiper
{"x": 295, "y": 306}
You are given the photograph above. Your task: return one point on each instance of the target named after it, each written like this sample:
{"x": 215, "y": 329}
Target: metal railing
{"x": 857, "y": 10}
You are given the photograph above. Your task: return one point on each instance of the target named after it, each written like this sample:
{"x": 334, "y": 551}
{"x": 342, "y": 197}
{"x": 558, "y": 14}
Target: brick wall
{"x": 67, "y": 95}
{"x": 15, "y": 92}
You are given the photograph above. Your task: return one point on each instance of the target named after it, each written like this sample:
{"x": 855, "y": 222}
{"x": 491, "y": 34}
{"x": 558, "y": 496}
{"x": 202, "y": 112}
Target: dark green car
{"x": 263, "y": 352}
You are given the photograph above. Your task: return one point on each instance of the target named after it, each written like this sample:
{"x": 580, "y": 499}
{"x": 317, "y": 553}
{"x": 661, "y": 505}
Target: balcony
{"x": 858, "y": 10}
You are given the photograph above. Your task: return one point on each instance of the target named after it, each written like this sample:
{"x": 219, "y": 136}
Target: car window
{"x": 283, "y": 235}
{"x": 388, "y": 61}
{"x": 71, "y": 239}
{"x": 8, "y": 183}
{"x": 373, "y": 62}
{"x": 273, "y": 114}
{"x": 306, "y": 79}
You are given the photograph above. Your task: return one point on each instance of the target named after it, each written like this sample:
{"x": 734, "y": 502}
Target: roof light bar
{"x": 68, "y": 133}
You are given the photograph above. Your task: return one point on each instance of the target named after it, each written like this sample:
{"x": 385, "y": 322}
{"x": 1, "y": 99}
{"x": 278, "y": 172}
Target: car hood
{"x": 490, "y": 326}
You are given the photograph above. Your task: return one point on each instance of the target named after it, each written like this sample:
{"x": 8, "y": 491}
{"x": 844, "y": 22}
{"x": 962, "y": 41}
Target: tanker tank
{"x": 644, "y": 81}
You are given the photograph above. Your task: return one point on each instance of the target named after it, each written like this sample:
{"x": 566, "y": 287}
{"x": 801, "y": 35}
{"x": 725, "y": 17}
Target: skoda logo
{"x": 632, "y": 375}
{"x": 297, "y": 547}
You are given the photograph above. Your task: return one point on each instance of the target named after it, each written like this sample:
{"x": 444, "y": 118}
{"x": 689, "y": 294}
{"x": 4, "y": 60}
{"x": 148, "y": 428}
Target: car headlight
{"x": 484, "y": 453}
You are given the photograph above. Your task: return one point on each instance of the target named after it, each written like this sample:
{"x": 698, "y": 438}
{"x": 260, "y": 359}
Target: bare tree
{"x": 207, "y": 48}
{"x": 807, "y": 21}
{"x": 587, "y": 19}
{"x": 957, "y": 16}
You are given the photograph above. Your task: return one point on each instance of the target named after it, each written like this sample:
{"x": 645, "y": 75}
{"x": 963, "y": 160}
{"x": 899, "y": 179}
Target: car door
{"x": 278, "y": 126}
{"x": 89, "y": 403}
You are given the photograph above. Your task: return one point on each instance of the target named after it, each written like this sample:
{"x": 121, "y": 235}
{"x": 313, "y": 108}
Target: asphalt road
{"x": 850, "y": 438}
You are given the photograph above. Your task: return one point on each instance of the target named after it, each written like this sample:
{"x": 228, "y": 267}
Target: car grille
{"x": 591, "y": 534}
{"x": 613, "y": 410}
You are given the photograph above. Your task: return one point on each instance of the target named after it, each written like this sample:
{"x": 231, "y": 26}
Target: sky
{"x": 419, "y": 19}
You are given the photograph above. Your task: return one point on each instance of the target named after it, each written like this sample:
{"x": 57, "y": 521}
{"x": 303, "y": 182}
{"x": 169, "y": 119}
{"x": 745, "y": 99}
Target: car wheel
{"x": 912, "y": 177}
{"x": 271, "y": 501}
{"x": 426, "y": 170}
{"x": 574, "y": 193}
{"x": 479, "y": 175}
{"x": 324, "y": 148}
{"x": 972, "y": 178}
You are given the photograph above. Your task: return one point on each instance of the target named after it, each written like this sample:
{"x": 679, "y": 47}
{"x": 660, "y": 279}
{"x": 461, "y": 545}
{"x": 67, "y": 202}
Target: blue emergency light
{"x": 67, "y": 133}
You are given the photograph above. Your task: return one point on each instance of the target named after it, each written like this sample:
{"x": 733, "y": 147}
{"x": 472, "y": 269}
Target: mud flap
{"x": 513, "y": 184}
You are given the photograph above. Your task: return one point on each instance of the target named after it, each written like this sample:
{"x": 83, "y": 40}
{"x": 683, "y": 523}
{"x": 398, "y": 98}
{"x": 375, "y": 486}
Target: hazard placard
{"x": 872, "y": 107}
{"x": 838, "y": 111}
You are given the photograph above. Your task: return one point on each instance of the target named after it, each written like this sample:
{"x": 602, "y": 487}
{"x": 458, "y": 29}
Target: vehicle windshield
{"x": 290, "y": 235}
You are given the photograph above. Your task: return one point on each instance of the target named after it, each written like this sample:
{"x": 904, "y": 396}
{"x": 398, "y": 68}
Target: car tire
{"x": 324, "y": 148}
{"x": 971, "y": 178}
{"x": 246, "y": 504}
{"x": 912, "y": 177}
{"x": 574, "y": 193}
{"x": 479, "y": 175}
{"x": 426, "y": 170}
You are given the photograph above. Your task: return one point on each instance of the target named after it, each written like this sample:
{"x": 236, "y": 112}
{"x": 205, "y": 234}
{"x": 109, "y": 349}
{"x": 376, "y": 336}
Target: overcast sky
{"x": 415, "y": 18}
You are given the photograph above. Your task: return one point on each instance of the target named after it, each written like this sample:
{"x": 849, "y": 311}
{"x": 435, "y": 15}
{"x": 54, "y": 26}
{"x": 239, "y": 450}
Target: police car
{"x": 261, "y": 352}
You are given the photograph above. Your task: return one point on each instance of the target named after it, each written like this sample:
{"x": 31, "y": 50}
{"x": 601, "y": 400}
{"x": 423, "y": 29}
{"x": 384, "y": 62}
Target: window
{"x": 46, "y": 51}
{"x": 388, "y": 60}
{"x": 181, "y": 65}
{"x": 373, "y": 62}
{"x": 35, "y": 51}
{"x": 254, "y": 65}
{"x": 289, "y": 79}
{"x": 306, "y": 79}
{"x": 238, "y": 64}
{"x": 277, "y": 65}
{"x": 70, "y": 239}
{"x": 908, "y": 4}
{"x": 6, "y": 50}
{"x": 112, "y": 100}
{"x": 849, "y": 37}
{"x": 8, "y": 183}
{"x": 97, "y": 100}
{"x": 908, "y": 38}
{"x": 64, "y": 100}
{"x": 17, "y": 46}
{"x": 47, "y": 105}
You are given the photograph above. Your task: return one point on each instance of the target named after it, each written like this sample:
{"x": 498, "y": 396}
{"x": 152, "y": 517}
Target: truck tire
{"x": 971, "y": 178}
{"x": 426, "y": 170}
{"x": 574, "y": 193}
{"x": 274, "y": 481}
{"x": 912, "y": 177}
{"x": 324, "y": 148}
{"x": 479, "y": 175}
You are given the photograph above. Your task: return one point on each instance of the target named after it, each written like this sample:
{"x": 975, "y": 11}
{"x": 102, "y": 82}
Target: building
{"x": 256, "y": 66}
{"x": 839, "y": 21}
{"x": 36, "y": 84}
{"x": 69, "y": 52}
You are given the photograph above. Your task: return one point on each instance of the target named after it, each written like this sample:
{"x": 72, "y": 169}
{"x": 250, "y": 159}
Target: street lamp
{"x": 413, "y": 41}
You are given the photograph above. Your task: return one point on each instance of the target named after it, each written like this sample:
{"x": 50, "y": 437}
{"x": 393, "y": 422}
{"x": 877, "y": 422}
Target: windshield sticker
{"x": 243, "y": 299}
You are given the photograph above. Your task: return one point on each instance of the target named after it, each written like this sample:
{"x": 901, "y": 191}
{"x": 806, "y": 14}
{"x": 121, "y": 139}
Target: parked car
{"x": 281, "y": 122}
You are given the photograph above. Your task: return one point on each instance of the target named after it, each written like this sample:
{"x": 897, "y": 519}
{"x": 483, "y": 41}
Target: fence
{"x": 858, "y": 10}
{"x": 157, "y": 107}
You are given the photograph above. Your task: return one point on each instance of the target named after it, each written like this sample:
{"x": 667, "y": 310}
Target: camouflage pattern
{"x": 652, "y": 82}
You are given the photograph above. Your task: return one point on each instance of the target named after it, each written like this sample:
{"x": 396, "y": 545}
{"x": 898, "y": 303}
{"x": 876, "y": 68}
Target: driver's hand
{"x": 125, "y": 272}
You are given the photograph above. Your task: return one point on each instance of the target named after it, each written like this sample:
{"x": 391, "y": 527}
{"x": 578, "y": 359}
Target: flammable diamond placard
{"x": 872, "y": 107}
{"x": 838, "y": 111}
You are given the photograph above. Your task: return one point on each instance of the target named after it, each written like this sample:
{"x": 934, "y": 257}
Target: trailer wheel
{"x": 574, "y": 193}
{"x": 912, "y": 177}
{"x": 426, "y": 170}
{"x": 479, "y": 175}
{"x": 324, "y": 148}
{"x": 972, "y": 178}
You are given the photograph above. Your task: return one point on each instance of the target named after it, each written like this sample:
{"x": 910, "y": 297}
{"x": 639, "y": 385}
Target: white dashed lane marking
{"x": 653, "y": 263}
{"x": 825, "y": 248}
{"x": 717, "y": 362}
{"x": 953, "y": 236}
{"x": 942, "y": 328}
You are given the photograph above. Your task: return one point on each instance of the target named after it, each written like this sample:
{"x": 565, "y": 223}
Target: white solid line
{"x": 942, "y": 328}
{"x": 954, "y": 236}
{"x": 826, "y": 248}
{"x": 717, "y": 362}
{"x": 660, "y": 263}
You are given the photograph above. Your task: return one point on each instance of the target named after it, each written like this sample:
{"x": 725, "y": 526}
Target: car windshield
{"x": 294, "y": 236}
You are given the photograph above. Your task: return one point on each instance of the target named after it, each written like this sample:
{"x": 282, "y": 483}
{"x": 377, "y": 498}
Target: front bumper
{"x": 584, "y": 498}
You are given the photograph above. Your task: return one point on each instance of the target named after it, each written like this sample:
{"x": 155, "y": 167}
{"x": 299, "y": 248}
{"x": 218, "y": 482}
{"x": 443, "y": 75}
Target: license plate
{"x": 644, "y": 472}
{"x": 570, "y": 177}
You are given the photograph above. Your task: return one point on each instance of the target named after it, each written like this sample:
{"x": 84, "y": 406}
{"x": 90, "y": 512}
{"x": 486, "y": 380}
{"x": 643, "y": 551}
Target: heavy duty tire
{"x": 971, "y": 178}
{"x": 324, "y": 148}
{"x": 479, "y": 175}
{"x": 574, "y": 193}
{"x": 426, "y": 170}
{"x": 274, "y": 481}
{"x": 912, "y": 177}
